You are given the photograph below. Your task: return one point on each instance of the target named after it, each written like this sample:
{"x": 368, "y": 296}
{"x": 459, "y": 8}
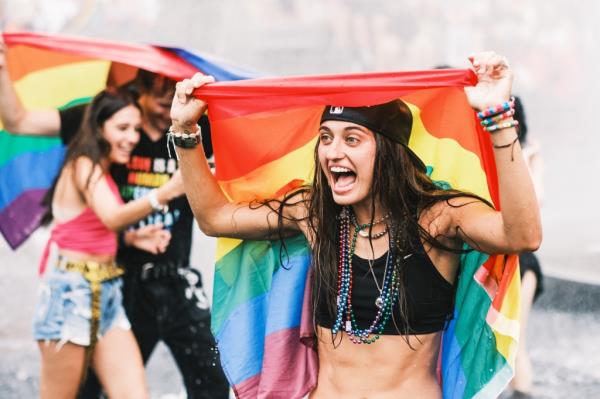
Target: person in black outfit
{"x": 163, "y": 296}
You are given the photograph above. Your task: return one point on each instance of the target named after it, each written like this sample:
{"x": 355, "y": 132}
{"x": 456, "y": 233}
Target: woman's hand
{"x": 187, "y": 109}
{"x": 151, "y": 238}
{"x": 494, "y": 80}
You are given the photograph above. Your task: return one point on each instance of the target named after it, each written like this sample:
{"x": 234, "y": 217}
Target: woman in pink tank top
{"x": 80, "y": 321}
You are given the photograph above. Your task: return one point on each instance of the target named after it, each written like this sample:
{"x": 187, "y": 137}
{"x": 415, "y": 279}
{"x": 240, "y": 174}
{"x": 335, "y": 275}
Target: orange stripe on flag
{"x": 37, "y": 60}
{"x": 246, "y": 143}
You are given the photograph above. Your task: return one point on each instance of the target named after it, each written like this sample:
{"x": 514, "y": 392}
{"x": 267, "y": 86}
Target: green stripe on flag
{"x": 13, "y": 145}
{"x": 473, "y": 333}
{"x": 246, "y": 273}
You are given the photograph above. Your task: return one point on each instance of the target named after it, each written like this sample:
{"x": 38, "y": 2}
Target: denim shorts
{"x": 63, "y": 310}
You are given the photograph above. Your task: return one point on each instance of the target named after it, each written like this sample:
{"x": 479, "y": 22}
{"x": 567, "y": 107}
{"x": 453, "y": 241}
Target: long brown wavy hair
{"x": 89, "y": 141}
{"x": 403, "y": 190}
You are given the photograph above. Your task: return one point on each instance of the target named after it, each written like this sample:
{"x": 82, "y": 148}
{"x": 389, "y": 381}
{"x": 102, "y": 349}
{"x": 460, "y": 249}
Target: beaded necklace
{"x": 364, "y": 229}
{"x": 389, "y": 289}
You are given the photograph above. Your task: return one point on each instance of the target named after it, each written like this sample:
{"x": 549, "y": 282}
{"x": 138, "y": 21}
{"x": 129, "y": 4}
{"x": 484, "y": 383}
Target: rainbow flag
{"x": 57, "y": 71}
{"x": 264, "y": 133}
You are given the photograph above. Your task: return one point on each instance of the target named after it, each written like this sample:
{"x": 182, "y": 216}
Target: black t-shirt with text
{"x": 149, "y": 167}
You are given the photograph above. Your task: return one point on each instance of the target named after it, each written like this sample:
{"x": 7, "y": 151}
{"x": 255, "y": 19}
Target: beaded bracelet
{"x": 499, "y": 126}
{"x": 183, "y": 139}
{"x": 497, "y": 118}
{"x": 497, "y": 109}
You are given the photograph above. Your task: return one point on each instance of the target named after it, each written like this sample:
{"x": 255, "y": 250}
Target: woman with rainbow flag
{"x": 385, "y": 239}
{"x": 80, "y": 297}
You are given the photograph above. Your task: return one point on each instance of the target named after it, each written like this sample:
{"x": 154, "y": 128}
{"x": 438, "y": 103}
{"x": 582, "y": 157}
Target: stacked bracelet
{"x": 499, "y": 126}
{"x": 183, "y": 139}
{"x": 497, "y": 118}
{"x": 491, "y": 118}
{"x": 497, "y": 109}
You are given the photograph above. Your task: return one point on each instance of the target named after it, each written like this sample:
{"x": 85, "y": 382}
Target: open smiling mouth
{"x": 343, "y": 178}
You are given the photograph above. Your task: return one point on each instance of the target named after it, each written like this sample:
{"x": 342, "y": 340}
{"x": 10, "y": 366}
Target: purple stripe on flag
{"x": 248, "y": 388}
{"x": 289, "y": 371}
{"x": 22, "y": 216}
{"x": 290, "y": 365}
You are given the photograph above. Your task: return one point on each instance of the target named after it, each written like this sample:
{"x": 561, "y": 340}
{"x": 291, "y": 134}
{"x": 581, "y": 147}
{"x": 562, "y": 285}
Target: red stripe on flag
{"x": 147, "y": 57}
{"x": 246, "y": 143}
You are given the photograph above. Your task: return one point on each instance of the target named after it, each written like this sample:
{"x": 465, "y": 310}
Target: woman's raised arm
{"x": 215, "y": 215}
{"x": 517, "y": 227}
{"x": 94, "y": 185}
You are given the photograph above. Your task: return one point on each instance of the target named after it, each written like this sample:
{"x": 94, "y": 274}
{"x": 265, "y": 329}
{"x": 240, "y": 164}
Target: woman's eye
{"x": 352, "y": 140}
{"x": 325, "y": 138}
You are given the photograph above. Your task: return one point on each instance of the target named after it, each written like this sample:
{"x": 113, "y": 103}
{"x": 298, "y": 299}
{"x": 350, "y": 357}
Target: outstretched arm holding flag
{"x": 65, "y": 73}
{"x": 17, "y": 119}
{"x": 386, "y": 241}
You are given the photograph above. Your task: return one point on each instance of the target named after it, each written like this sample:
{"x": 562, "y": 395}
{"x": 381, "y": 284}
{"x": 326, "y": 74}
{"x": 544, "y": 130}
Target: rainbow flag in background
{"x": 264, "y": 133}
{"x": 57, "y": 71}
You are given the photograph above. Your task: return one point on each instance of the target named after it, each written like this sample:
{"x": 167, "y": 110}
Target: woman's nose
{"x": 334, "y": 150}
{"x": 133, "y": 136}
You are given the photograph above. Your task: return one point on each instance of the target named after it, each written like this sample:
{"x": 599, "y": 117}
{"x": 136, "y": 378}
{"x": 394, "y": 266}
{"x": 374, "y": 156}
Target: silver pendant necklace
{"x": 379, "y": 299}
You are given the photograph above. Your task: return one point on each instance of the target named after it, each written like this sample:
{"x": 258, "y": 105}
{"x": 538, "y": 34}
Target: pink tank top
{"x": 84, "y": 233}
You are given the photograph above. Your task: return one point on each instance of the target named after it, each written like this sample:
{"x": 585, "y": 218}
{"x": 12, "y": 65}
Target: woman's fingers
{"x": 200, "y": 80}
{"x": 186, "y": 87}
{"x": 487, "y": 62}
{"x": 180, "y": 89}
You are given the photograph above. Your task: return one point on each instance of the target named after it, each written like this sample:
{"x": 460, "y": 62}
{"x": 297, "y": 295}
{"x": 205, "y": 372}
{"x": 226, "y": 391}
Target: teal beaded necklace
{"x": 389, "y": 290}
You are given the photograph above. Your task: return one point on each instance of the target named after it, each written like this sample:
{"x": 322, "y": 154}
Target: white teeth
{"x": 339, "y": 169}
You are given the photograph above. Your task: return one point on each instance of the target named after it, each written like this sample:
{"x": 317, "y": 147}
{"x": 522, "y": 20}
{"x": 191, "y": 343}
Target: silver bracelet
{"x": 153, "y": 198}
{"x": 183, "y": 139}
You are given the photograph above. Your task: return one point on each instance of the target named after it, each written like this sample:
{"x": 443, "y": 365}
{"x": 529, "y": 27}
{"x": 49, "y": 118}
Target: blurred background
{"x": 552, "y": 46}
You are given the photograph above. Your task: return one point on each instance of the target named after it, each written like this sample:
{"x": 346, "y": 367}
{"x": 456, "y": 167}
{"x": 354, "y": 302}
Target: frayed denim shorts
{"x": 64, "y": 309}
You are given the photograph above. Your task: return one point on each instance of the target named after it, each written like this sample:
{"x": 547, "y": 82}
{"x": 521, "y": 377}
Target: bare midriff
{"x": 389, "y": 368}
{"x": 82, "y": 256}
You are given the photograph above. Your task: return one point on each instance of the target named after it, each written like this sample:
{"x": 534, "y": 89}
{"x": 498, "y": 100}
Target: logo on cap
{"x": 336, "y": 110}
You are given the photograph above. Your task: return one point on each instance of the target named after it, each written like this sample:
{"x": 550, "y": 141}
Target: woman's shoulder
{"x": 443, "y": 213}
{"x": 85, "y": 171}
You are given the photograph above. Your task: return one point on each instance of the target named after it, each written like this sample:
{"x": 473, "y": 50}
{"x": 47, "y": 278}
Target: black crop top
{"x": 429, "y": 296}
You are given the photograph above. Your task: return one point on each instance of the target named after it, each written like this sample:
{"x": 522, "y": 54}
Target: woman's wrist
{"x": 128, "y": 237}
{"x": 184, "y": 137}
{"x": 504, "y": 135}
{"x": 159, "y": 198}
{"x": 184, "y": 127}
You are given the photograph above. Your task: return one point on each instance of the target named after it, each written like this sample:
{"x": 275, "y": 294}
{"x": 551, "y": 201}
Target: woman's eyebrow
{"x": 359, "y": 128}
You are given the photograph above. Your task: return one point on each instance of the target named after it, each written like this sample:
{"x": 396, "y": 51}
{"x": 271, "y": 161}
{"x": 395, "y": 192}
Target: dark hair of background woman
{"x": 89, "y": 141}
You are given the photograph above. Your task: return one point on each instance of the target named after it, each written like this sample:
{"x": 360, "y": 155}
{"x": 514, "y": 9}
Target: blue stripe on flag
{"x": 242, "y": 349}
{"x": 210, "y": 65}
{"x": 30, "y": 170}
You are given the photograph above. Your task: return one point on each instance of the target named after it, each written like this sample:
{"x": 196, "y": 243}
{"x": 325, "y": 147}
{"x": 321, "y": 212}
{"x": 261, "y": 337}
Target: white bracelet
{"x": 153, "y": 198}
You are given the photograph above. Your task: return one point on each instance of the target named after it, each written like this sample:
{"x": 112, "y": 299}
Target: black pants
{"x": 170, "y": 305}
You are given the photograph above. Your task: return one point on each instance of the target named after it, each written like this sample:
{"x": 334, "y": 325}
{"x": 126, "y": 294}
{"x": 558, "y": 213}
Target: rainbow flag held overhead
{"x": 56, "y": 71}
{"x": 264, "y": 133}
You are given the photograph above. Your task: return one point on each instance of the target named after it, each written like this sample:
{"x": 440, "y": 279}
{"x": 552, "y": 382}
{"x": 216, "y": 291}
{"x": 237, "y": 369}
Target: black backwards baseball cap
{"x": 392, "y": 120}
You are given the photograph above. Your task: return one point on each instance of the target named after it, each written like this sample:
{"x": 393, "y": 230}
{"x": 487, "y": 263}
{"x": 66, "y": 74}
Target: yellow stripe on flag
{"x": 226, "y": 245}
{"x": 461, "y": 168}
{"x": 54, "y": 87}
{"x": 267, "y": 180}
